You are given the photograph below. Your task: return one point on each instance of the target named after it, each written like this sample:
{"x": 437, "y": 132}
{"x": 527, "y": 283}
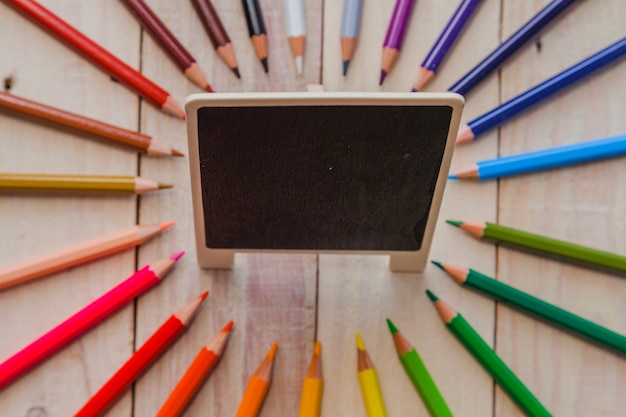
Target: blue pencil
{"x": 350, "y": 24}
{"x": 510, "y": 46}
{"x": 559, "y": 156}
{"x": 541, "y": 91}
{"x": 445, "y": 41}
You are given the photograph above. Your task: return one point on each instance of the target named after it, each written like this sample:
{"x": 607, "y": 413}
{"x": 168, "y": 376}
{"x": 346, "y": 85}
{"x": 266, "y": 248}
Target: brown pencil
{"x": 161, "y": 34}
{"x": 125, "y": 184}
{"x": 215, "y": 29}
{"x": 145, "y": 143}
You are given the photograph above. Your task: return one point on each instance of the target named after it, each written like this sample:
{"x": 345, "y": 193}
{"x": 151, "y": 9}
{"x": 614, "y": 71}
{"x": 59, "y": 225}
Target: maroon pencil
{"x": 161, "y": 34}
{"x": 215, "y": 29}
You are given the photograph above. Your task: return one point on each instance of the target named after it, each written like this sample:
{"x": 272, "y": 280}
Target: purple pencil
{"x": 445, "y": 41}
{"x": 395, "y": 35}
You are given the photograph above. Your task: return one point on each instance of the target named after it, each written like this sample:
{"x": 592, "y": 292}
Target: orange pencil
{"x": 257, "y": 387}
{"x": 78, "y": 254}
{"x": 195, "y": 376}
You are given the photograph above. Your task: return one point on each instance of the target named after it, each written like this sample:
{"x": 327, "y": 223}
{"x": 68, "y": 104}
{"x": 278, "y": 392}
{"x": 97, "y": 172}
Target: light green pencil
{"x": 489, "y": 360}
{"x": 419, "y": 375}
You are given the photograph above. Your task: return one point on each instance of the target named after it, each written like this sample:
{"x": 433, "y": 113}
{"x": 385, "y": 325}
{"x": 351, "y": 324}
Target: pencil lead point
{"x": 452, "y": 177}
{"x": 265, "y": 65}
{"x": 162, "y": 186}
{"x": 236, "y": 71}
{"x": 166, "y": 225}
{"x": 176, "y": 256}
{"x": 318, "y": 348}
{"x": 299, "y": 64}
{"x": 176, "y": 152}
{"x": 456, "y": 223}
{"x": 413, "y": 90}
{"x": 359, "y": 342}
{"x": 392, "y": 327}
{"x": 438, "y": 264}
{"x": 383, "y": 75}
{"x": 209, "y": 89}
{"x": 272, "y": 352}
{"x": 346, "y": 64}
{"x": 204, "y": 295}
{"x": 228, "y": 326}
{"x": 432, "y": 296}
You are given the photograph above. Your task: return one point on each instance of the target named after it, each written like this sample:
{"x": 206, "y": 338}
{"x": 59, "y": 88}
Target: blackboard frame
{"x": 400, "y": 260}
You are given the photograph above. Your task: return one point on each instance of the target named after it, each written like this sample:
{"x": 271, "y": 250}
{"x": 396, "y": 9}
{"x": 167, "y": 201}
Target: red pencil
{"x": 85, "y": 319}
{"x": 141, "y": 360}
{"x": 97, "y": 55}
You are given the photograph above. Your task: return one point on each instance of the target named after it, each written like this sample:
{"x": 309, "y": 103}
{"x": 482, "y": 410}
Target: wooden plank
{"x": 270, "y": 297}
{"x": 582, "y": 204}
{"x": 359, "y": 291}
{"x": 46, "y": 71}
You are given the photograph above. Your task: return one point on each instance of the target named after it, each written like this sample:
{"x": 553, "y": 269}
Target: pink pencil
{"x": 99, "y": 309}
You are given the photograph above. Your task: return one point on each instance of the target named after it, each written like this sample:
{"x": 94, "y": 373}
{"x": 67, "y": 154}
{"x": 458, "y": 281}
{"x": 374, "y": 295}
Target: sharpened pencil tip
{"x": 413, "y": 90}
{"x": 318, "y": 348}
{"x": 228, "y": 326}
{"x": 176, "y": 256}
{"x": 236, "y": 71}
{"x": 162, "y": 186}
{"x": 166, "y": 225}
{"x": 359, "y": 342}
{"x": 346, "y": 64}
{"x": 432, "y": 296}
{"x": 392, "y": 327}
{"x": 383, "y": 75}
{"x": 176, "y": 152}
{"x": 209, "y": 89}
{"x": 452, "y": 177}
{"x": 272, "y": 352}
{"x": 438, "y": 264}
{"x": 456, "y": 223}
{"x": 204, "y": 295}
{"x": 266, "y": 67}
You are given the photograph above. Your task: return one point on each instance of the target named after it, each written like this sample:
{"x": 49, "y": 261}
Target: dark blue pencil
{"x": 540, "y": 92}
{"x": 510, "y": 46}
{"x": 445, "y": 41}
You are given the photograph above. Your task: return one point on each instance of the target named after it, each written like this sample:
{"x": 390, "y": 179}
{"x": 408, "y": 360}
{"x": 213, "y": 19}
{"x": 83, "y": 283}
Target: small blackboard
{"x": 319, "y": 172}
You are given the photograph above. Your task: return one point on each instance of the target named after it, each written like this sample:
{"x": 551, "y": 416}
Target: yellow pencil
{"x": 125, "y": 184}
{"x": 313, "y": 387}
{"x": 368, "y": 380}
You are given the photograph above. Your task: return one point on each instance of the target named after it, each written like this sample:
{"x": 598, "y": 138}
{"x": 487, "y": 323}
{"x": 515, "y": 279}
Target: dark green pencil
{"x": 489, "y": 360}
{"x": 542, "y": 244}
{"x": 536, "y": 307}
{"x": 419, "y": 375}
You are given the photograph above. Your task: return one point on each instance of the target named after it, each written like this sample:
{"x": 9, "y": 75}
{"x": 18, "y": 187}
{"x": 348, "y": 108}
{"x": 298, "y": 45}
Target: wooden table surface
{"x": 296, "y": 299}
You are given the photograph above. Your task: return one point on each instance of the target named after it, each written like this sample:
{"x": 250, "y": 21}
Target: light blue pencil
{"x": 350, "y": 23}
{"x": 559, "y": 156}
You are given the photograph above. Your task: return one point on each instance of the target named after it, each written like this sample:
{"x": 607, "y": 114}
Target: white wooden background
{"x": 296, "y": 299}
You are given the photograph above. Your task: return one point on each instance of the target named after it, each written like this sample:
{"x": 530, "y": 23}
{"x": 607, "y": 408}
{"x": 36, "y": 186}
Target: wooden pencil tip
{"x": 176, "y": 152}
{"x": 465, "y": 135}
{"x": 166, "y": 225}
{"x": 438, "y": 264}
{"x": 171, "y": 106}
{"x": 176, "y": 256}
{"x": 392, "y": 327}
{"x": 204, "y": 295}
{"x": 456, "y": 223}
{"x": 359, "y": 342}
{"x": 272, "y": 352}
{"x": 228, "y": 326}
{"x": 424, "y": 77}
{"x": 318, "y": 348}
{"x": 432, "y": 296}
{"x": 162, "y": 186}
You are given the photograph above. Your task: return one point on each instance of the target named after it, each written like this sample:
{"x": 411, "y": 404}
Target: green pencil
{"x": 544, "y": 245}
{"x": 489, "y": 360}
{"x": 536, "y": 307}
{"x": 419, "y": 375}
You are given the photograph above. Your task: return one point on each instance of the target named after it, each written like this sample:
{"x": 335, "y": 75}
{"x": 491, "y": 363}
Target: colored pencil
{"x": 507, "y": 48}
{"x": 313, "y": 386}
{"x": 97, "y": 55}
{"x": 368, "y": 381}
{"x": 125, "y": 184}
{"x": 395, "y": 36}
{"x": 80, "y": 253}
{"x": 141, "y": 360}
{"x": 256, "y": 29}
{"x": 446, "y": 39}
{"x": 350, "y": 25}
{"x": 419, "y": 375}
{"x": 91, "y": 315}
{"x": 541, "y": 92}
{"x": 257, "y": 388}
{"x": 549, "y": 158}
{"x": 198, "y": 372}
{"x": 215, "y": 29}
{"x": 168, "y": 42}
{"x": 544, "y": 245}
{"x": 296, "y": 31}
{"x": 535, "y": 307}
{"x": 39, "y": 111}
{"x": 489, "y": 360}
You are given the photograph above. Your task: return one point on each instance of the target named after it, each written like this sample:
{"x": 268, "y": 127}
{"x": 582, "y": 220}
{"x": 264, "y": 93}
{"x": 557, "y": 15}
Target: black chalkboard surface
{"x": 316, "y": 174}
